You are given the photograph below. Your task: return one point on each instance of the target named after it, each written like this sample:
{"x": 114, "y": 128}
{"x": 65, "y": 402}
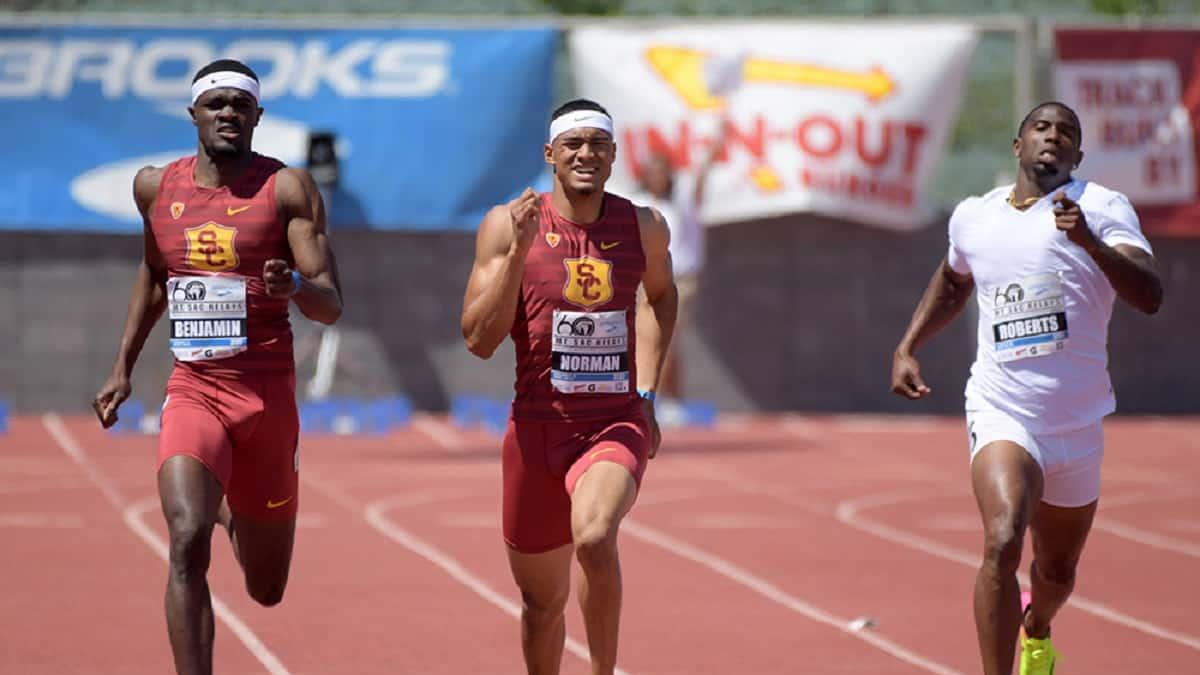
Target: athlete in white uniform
{"x": 1047, "y": 256}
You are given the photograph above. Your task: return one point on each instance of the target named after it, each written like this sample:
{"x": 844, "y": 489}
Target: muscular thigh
{"x": 625, "y": 442}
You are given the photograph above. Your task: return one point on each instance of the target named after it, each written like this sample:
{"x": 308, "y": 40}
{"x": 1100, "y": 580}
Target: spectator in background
{"x": 679, "y": 198}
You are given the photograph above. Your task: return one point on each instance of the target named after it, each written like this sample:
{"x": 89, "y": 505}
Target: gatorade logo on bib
{"x": 1029, "y": 318}
{"x": 590, "y": 353}
{"x": 207, "y": 317}
{"x": 210, "y": 247}
{"x": 589, "y": 281}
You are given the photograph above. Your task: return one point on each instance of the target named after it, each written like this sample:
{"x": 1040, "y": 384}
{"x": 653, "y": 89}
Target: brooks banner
{"x": 433, "y": 126}
{"x": 844, "y": 120}
{"x": 1137, "y": 93}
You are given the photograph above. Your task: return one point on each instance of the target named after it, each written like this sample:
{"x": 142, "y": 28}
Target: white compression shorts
{"x": 1070, "y": 460}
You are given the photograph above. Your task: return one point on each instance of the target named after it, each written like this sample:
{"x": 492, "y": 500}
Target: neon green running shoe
{"x": 1037, "y": 656}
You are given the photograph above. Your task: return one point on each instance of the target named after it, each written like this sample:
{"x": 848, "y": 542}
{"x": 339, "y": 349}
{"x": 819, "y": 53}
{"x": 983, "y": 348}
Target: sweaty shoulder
{"x": 292, "y": 178}
{"x": 653, "y": 227}
{"x": 145, "y": 186}
{"x": 495, "y": 230}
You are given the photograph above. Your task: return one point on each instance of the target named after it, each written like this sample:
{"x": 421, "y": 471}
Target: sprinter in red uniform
{"x": 231, "y": 237}
{"x": 559, "y": 272}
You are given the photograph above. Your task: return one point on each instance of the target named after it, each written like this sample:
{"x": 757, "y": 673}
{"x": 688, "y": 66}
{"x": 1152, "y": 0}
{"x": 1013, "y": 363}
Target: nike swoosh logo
{"x": 271, "y": 504}
{"x": 230, "y": 211}
{"x": 605, "y": 245}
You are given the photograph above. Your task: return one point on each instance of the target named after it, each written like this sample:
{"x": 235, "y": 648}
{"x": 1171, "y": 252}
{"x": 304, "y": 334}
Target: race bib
{"x": 1029, "y": 318}
{"x": 208, "y": 317}
{"x": 590, "y": 353}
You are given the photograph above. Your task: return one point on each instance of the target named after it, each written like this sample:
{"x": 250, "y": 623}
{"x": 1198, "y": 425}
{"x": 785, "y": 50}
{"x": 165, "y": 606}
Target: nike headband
{"x": 224, "y": 78}
{"x": 580, "y": 119}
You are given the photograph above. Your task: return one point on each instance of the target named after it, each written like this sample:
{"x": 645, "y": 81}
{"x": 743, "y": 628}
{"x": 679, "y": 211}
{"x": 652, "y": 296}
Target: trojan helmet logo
{"x": 176, "y": 210}
{"x": 589, "y": 281}
{"x": 210, "y": 247}
{"x": 553, "y": 238}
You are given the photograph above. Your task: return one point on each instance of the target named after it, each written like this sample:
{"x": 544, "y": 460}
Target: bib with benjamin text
{"x": 207, "y": 316}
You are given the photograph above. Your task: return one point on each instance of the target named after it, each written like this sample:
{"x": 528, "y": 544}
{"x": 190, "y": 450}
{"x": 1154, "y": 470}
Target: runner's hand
{"x": 277, "y": 277}
{"x": 526, "y": 217}
{"x": 1069, "y": 218}
{"x": 906, "y": 378}
{"x": 110, "y": 397}
{"x": 652, "y": 423}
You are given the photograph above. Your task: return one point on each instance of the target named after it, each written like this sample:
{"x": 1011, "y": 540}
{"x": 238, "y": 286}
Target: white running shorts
{"x": 1070, "y": 460}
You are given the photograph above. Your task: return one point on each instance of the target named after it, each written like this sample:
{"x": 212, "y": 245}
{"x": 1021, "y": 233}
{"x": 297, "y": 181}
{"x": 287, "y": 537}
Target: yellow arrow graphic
{"x": 683, "y": 69}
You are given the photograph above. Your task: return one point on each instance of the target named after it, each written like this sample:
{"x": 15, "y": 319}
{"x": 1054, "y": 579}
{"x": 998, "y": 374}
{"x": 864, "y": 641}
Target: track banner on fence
{"x": 432, "y": 125}
{"x": 1137, "y": 93}
{"x": 844, "y": 120}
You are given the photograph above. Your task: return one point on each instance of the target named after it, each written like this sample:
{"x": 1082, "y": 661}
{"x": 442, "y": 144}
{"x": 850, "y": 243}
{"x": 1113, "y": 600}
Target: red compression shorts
{"x": 544, "y": 460}
{"x": 244, "y": 427}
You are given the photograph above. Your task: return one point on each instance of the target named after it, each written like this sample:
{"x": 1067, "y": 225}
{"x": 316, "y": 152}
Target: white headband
{"x": 580, "y": 118}
{"x": 224, "y": 78}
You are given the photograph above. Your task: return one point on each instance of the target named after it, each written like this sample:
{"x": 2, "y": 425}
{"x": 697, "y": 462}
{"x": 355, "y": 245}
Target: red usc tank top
{"x": 574, "y": 328}
{"x": 215, "y": 241}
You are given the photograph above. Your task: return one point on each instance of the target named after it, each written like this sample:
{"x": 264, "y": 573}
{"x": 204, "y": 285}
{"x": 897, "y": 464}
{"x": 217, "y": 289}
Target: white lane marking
{"x": 376, "y": 516}
{"x": 768, "y": 590}
{"x": 440, "y": 431}
{"x": 131, "y": 513}
{"x": 848, "y": 512}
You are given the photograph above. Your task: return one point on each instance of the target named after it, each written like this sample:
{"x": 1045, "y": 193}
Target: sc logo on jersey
{"x": 210, "y": 247}
{"x": 589, "y": 281}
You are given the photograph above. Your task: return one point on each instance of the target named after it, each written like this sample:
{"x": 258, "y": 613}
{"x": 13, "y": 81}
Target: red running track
{"x": 752, "y": 548}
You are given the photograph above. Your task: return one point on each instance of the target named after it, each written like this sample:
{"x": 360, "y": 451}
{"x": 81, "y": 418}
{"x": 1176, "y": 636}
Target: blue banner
{"x": 434, "y": 126}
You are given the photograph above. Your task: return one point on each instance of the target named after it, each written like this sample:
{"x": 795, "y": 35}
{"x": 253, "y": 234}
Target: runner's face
{"x": 225, "y": 119}
{"x": 582, "y": 159}
{"x": 1049, "y": 142}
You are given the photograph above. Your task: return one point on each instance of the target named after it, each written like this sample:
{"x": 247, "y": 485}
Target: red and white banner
{"x": 1137, "y": 93}
{"x": 844, "y": 120}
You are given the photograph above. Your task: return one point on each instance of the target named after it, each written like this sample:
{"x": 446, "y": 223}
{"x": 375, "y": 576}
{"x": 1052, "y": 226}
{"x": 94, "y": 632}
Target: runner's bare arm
{"x": 147, "y": 301}
{"x": 319, "y": 296}
{"x": 494, "y": 287}
{"x": 944, "y": 298}
{"x": 660, "y": 302}
{"x": 1133, "y": 275}
{"x": 319, "y": 217}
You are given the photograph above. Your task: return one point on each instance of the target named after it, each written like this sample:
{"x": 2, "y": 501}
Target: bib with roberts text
{"x": 590, "y": 352}
{"x": 208, "y": 317}
{"x": 1029, "y": 318}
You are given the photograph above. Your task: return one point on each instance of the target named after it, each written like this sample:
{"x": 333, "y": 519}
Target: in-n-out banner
{"x": 843, "y": 120}
{"x": 434, "y": 126}
{"x": 1137, "y": 93}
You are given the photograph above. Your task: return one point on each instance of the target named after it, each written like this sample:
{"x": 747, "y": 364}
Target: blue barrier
{"x": 346, "y": 416}
{"x": 3, "y": 416}
{"x": 476, "y": 411}
{"x": 698, "y": 413}
{"x": 129, "y": 417}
